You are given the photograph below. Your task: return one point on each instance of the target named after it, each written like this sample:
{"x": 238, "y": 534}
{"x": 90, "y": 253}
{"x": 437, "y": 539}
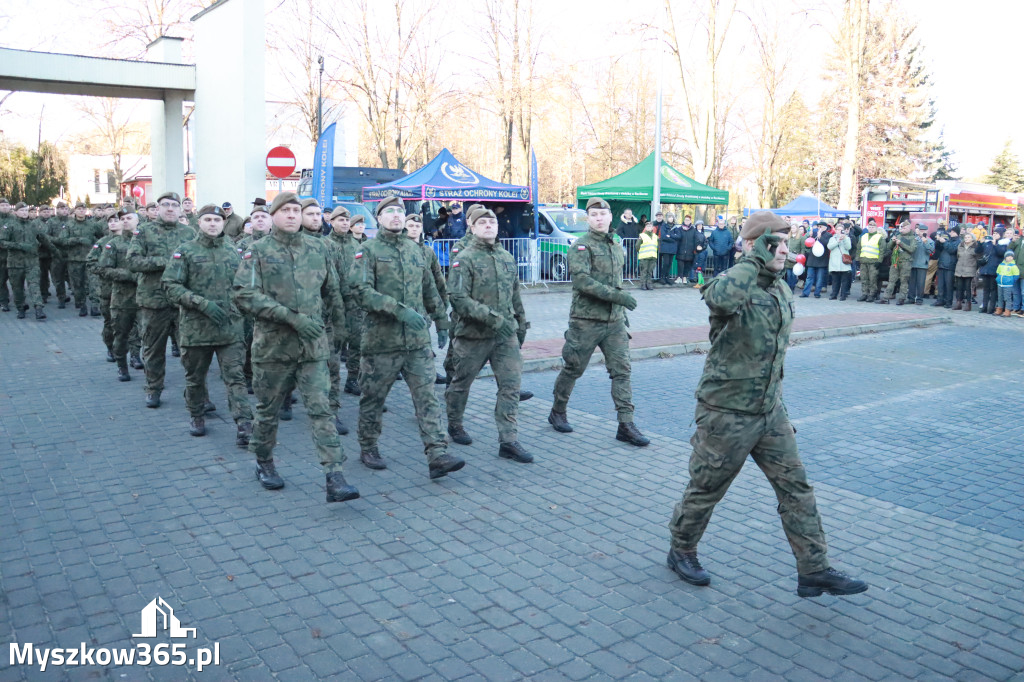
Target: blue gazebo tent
{"x": 446, "y": 179}
{"x": 806, "y": 206}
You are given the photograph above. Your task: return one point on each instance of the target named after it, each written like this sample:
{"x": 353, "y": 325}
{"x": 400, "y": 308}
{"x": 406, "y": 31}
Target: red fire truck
{"x": 890, "y": 201}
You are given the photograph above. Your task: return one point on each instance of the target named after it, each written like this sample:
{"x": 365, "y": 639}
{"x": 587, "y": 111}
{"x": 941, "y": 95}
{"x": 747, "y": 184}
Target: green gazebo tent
{"x": 634, "y": 189}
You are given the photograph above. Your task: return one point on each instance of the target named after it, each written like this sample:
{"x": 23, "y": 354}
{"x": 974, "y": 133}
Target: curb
{"x": 699, "y": 347}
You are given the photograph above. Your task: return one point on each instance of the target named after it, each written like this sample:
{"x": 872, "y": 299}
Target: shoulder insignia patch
{"x": 177, "y": 255}
{"x": 455, "y": 250}
{"x": 95, "y": 246}
{"x": 581, "y": 248}
{"x": 109, "y": 246}
{"x": 455, "y": 264}
{"x": 248, "y": 255}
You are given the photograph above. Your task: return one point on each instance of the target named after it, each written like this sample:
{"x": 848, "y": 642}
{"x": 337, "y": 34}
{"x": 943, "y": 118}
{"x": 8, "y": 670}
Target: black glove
{"x": 521, "y": 333}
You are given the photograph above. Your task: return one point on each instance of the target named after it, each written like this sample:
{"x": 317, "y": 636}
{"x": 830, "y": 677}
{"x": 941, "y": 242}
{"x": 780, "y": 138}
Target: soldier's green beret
{"x": 169, "y": 195}
{"x": 60, "y": 204}
{"x": 761, "y": 222}
{"x": 79, "y": 204}
{"x": 259, "y": 208}
{"x": 339, "y": 211}
{"x": 481, "y": 213}
{"x": 211, "y": 209}
{"x": 306, "y": 203}
{"x": 282, "y": 199}
{"x": 20, "y": 205}
{"x": 390, "y": 201}
{"x": 598, "y": 202}
{"x": 3, "y": 200}
{"x": 151, "y": 204}
{"x": 414, "y": 217}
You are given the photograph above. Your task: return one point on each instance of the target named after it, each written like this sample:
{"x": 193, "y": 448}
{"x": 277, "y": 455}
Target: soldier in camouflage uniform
{"x": 113, "y": 266}
{"x": 188, "y": 213}
{"x": 348, "y": 234}
{"x": 148, "y": 255}
{"x": 76, "y": 238}
{"x": 22, "y": 240}
{"x": 902, "y": 247}
{"x": 6, "y": 214}
{"x": 597, "y": 319}
{"x": 740, "y": 412}
{"x": 198, "y": 279}
{"x": 259, "y": 227}
{"x": 59, "y": 257}
{"x": 393, "y": 284}
{"x": 104, "y": 284}
{"x": 484, "y": 289}
{"x": 46, "y": 254}
{"x": 414, "y": 231}
{"x": 97, "y": 287}
{"x": 285, "y": 282}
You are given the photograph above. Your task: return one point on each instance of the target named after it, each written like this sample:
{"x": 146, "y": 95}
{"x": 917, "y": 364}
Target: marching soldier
{"x": 77, "y": 238}
{"x": 394, "y": 286}
{"x": 491, "y": 327}
{"x": 286, "y": 282}
{"x": 45, "y": 255}
{"x": 740, "y": 412}
{"x": 113, "y": 264}
{"x": 103, "y": 284}
{"x": 350, "y": 235}
{"x": 260, "y": 224}
{"x": 188, "y": 212}
{"x": 414, "y": 231}
{"x": 6, "y": 214}
{"x": 59, "y": 257}
{"x": 597, "y": 319}
{"x": 23, "y": 240}
{"x": 198, "y": 279}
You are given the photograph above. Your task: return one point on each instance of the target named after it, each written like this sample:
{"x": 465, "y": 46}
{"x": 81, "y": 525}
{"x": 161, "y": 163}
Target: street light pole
{"x": 320, "y": 100}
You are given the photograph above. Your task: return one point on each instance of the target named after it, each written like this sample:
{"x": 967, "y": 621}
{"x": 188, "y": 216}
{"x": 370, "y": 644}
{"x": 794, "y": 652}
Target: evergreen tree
{"x": 1005, "y": 172}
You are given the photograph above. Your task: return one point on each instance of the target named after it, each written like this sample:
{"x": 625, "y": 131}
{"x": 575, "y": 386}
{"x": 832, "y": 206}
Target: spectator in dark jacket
{"x": 687, "y": 250}
{"x": 817, "y": 266}
{"x": 668, "y": 245}
{"x": 456, "y": 228}
{"x": 946, "y": 244}
{"x": 440, "y": 224}
{"x": 700, "y": 259}
{"x": 628, "y": 227}
{"x": 994, "y": 250}
{"x": 629, "y": 231}
{"x": 721, "y": 244}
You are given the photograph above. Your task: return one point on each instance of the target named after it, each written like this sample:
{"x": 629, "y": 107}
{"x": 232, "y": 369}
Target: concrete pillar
{"x": 167, "y": 143}
{"x": 229, "y": 120}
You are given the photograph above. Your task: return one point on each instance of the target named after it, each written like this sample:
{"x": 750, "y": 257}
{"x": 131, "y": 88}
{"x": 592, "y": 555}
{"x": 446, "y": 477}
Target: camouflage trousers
{"x": 196, "y": 362}
{"x": 333, "y": 371}
{"x": 899, "y": 273}
{"x": 126, "y": 331}
{"x": 377, "y": 373}
{"x": 79, "y": 281}
{"x": 108, "y": 324}
{"x": 869, "y": 279}
{"x": 582, "y": 337}
{"x": 22, "y": 279}
{"x": 95, "y": 296}
{"x": 449, "y": 360}
{"x": 271, "y": 382}
{"x": 247, "y": 331}
{"x": 720, "y": 447}
{"x": 469, "y": 356}
{"x": 355, "y": 319}
{"x": 647, "y": 270}
{"x": 59, "y": 276}
{"x": 156, "y": 326}
{"x": 5, "y": 275}
{"x": 45, "y": 264}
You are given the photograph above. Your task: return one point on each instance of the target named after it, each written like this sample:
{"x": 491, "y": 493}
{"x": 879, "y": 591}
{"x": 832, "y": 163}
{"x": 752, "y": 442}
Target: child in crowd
{"x": 1007, "y": 275}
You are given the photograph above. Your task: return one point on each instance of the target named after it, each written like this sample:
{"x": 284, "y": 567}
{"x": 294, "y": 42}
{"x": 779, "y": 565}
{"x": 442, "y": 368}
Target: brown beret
{"x": 339, "y": 211}
{"x": 761, "y": 222}
{"x": 473, "y": 207}
{"x": 413, "y": 216}
{"x": 151, "y": 204}
{"x": 481, "y": 213}
{"x": 390, "y": 201}
{"x": 282, "y": 199}
{"x": 306, "y": 203}
{"x": 168, "y": 195}
{"x": 211, "y": 209}
{"x": 357, "y": 220}
{"x": 259, "y": 208}
{"x": 598, "y": 202}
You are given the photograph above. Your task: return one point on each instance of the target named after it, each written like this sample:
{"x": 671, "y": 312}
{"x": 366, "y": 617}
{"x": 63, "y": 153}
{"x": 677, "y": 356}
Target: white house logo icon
{"x": 168, "y": 621}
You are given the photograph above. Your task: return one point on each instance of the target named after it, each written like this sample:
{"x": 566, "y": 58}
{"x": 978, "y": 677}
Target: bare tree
{"x": 131, "y": 25}
{"x": 114, "y": 133}
{"x": 853, "y": 42}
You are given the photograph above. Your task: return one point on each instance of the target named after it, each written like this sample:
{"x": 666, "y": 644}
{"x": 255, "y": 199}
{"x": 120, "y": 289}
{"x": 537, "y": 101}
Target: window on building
{"x": 96, "y": 180}
{"x": 111, "y": 182}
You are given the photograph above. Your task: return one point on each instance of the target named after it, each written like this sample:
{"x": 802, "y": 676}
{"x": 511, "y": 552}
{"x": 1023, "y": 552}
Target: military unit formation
{"x": 282, "y": 306}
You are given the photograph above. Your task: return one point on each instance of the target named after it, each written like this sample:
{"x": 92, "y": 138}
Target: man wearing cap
{"x": 59, "y": 258}
{"x": 113, "y": 264}
{"x": 740, "y": 412}
{"x": 456, "y": 226}
{"x": 286, "y": 282}
{"x": 232, "y": 221}
{"x": 6, "y": 214}
{"x": 76, "y": 238}
{"x": 198, "y": 279}
{"x": 23, "y": 241}
{"x": 393, "y": 284}
{"x": 491, "y": 327}
{"x": 597, "y": 319}
{"x": 148, "y": 255}
{"x": 152, "y": 213}
{"x": 871, "y": 252}
{"x": 902, "y": 247}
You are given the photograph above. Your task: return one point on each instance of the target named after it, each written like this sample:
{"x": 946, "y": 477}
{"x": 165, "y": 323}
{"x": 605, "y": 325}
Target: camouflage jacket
{"x": 113, "y": 266}
{"x": 334, "y": 255}
{"x": 22, "y": 240}
{"x": 199, "y": 271}
{"x": 484, "y": 291}
{"x": 348, "y": 244}
{"x": 234, "y": 225}
{"x": 92, "y": 262}
{"x": 439, "y": 281}
{"x": 148, "y": 255}
{"x": 751, "y": 313}
{"x": 76, "y": 237}
{"x": 390, "y": 273}
{"x": 595, "y": 264}
{"x": 54, "y": 226}
{"x": 280, "y": 276}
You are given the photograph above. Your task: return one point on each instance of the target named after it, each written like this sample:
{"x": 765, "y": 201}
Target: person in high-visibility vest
{"x": 872, "y": 250}
{"x": 647, "y": 255}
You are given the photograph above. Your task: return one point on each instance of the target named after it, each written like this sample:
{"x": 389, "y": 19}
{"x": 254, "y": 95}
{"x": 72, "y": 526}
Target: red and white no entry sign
{"x": 280, "y": 162}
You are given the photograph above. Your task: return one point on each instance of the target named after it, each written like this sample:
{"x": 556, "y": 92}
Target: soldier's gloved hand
{"x": 624, "y": 298}
{"x": 442, "y": 338}
{"x": 764, "y": 247}
{"x": 216, "y": 313}
{"x": 521, "y": 333}
{"x": 506, "y": 329}
{"x": 308, "y": 328}
{"x": 412, "y": 318}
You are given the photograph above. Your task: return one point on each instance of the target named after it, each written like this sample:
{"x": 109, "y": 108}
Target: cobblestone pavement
{"x": 503, "y": 571}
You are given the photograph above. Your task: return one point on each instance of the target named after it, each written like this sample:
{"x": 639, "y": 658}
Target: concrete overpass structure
{"x": 226, "y": 85}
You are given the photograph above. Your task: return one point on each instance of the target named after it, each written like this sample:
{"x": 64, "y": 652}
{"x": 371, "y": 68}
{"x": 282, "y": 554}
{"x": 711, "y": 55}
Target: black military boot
{"x": 243, "y": 432}
{"x": 209, "y": 407}
{"x": 83, "y": 311}
{"x": 862, "y": 298}
{"x": 339, "y": 426}
{"x": 440, "y": 379}
{"x": 524, "y": 395}
{"x": 687, "y": 567}
{"x": 40, "y": 315}
{"x": 110, "y": 356}
{"x": 882, "y": 301}
{"x": 628, "y": 433}
{"x": 5, "y": 308}
{"x": 444, "y": 465}
{"x": 122, "y": 370}
{"x": 21, "y": 313}
{"x": 830, "y": 580}
{"x": 285, "y": 414}
{"x": 459, "y": 434}
{"x": 61, "y": 305}
{"x": 95, "y": 312}
{"x": 197, "y": 426}
{"x": 371, "y": 459}
{"x": 175, "y": 351}
{"x": 559, "y": 421}
{"x": 135, "y": 362}
{"x": 248, "y": 385}
{"x": 153, "y": 399}
{"x": 266, "y": 474}
{"x": 338, "y": 489}
{"x": 352, "y": 387}
{"x": 515, "y": 452}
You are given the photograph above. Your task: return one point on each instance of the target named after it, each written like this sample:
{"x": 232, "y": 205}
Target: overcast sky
{"x": 970, "y": 49}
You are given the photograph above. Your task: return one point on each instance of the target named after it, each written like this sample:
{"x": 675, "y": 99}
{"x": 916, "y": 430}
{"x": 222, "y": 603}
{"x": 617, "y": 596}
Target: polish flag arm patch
{"x": 248, "y": 255}
{"x": 177, "y": 255}
{"x": 359, "y": 255}
{"x": 581, "y": 248}
{"x": 455, "y": 264}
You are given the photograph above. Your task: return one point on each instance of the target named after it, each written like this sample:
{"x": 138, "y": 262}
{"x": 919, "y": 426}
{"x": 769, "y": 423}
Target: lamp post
{"x": 320, "y": 100}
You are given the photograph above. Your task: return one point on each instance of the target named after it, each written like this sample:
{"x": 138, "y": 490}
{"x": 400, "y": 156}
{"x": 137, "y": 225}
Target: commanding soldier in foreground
{"x": 149, "y": 254}
{"x": 393, "y": 284}
{"x": 740, "y": 412}
{"x": 484, "y": 289}
{"x": 597, "y": 320}
{"x": 23, "y": 241}
{"x": 286, "y": 282}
